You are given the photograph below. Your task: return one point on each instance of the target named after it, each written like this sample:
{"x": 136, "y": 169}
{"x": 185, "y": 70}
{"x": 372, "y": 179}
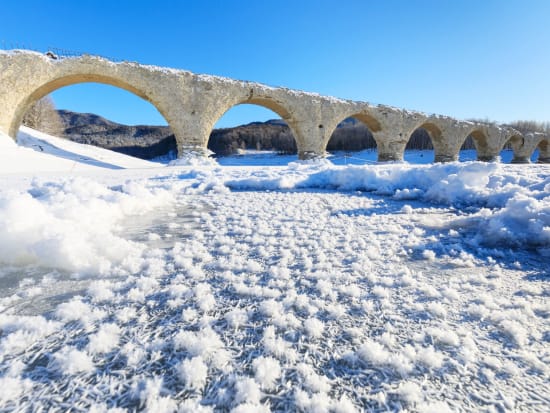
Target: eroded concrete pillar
{"x": 310, "y": 132}
{"x": 445, "y": 156}
{"x": 310, "y": 137}
{"x": 524, "y": 146}
{"x": 191, "y": 134}
{"x": 521, "y": 159}
{"x": 491, "y": 139}
{"x": 489, "y": 157}
{"x": 389, "y": 149}
{"x": 396, "y": 127}
{"x": 544, "y": 152}
{"x": 446, "y": 148}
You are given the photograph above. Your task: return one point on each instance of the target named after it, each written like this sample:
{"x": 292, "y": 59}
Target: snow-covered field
{"x": 130, "y": 285}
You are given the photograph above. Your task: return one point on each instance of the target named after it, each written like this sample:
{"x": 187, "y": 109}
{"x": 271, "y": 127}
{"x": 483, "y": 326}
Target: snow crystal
{"x": 515, "y": 331}
{"x": 317, "y": 403}
{"x": 236, "y": 317}
{"x": 69, "y": 360}
{"x": 312, "y": 380}
{"x": 445, "y": 337}
{"x": 76, "y": 309}
{"x": 436, "y": 309}
{"x": 277, "y": 345}
{"x": 247, "y": 391}
{"x": 373, "y": 352}
{"x": 314, "y": 327}
{"x": 430, "y": 357}
{"x": 344, "y": 405}
{"x": 203, "y": 343}
{"x": 193, "y": 372}
{"x": 101, "y": 291}
{"x": 266, "y": 371}
{"x": 410, "y": 393}
{"x": 149, "y": 393}
{"x": 105, "y": 340}
{"x": 11, "y": 388}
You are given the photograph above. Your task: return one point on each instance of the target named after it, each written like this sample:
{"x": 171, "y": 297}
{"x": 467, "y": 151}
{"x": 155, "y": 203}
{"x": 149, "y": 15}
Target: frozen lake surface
{"x": 305, "y": 287}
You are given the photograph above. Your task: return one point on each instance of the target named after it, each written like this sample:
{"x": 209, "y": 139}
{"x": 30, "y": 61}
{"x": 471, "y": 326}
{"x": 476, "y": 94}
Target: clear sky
{"x": 463, "y": 58}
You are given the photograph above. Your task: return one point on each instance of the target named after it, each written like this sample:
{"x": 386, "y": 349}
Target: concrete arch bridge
{"x": 193, "y": 103}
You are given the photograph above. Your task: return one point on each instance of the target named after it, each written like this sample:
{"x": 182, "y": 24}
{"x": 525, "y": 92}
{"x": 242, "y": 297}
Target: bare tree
{"x": 526, "y": 126}
{"x": 43, "y": 116}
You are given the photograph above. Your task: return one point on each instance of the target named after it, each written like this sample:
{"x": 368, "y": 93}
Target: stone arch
{"x": 72, "y": 79}
{"x": 517, "y": 143}
{"x": 266, "y": 102}
{"x": 435, "y": 133}
{"x": 482, "y": 145}
{"x": 447, "y": 135}
{"x": 367, "y": 119}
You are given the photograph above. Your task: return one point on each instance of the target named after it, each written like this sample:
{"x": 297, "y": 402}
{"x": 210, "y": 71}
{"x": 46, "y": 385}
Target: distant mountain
{"x": 74, "y": 119}
{"x": 148, "y": 142}
{"x": 141, "y": 141}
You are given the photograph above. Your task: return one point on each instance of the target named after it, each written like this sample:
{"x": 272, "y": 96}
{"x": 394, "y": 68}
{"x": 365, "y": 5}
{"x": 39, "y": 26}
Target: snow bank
{"x": 194, "y": 158}
{"x": 523, "y": 221}
{"x": 514, "y": 203}
{"x": 6, "y": 141}
{"x": 73, "y": 225}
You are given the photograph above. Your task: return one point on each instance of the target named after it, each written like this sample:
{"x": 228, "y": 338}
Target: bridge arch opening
{"x": 509, "y": 151}
{"x": 352, "y": 140}
{"x": 421, "y": 143}
{"x": 105, "y": 112}
{"x": 475, "y": 145}
{"x": 254, "y": 132}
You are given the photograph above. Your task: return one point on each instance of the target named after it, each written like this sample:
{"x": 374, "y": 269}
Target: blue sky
{"x": 463, "y": 58}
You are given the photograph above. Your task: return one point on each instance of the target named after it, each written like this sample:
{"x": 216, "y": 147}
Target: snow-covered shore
{"x": 308, "y": 287}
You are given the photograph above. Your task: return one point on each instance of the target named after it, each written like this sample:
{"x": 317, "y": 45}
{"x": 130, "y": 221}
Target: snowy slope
{"x": 40, "y": 152}
{"x": 308, "y": 287}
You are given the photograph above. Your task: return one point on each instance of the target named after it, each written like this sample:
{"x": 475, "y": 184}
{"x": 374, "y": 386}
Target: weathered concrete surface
{"x": 524, "y": 146}
{"x": 544, "y": 150}
{"x": 192, "y": 104}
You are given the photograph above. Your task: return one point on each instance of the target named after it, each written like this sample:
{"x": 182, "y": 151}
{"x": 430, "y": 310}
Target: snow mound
{"x": 73, "y": 225}
{"x": 194, "y": 158}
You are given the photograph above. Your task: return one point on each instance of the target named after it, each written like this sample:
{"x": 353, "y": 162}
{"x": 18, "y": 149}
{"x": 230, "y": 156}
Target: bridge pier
{"x": 191, "y": 150}
{"x": 310, "y": 134}
{"x": 520, "y": 159}
{"x": 446, "y": 144}
{"x": 544, "y": 151}
{"x": 396, "y": 128}
{"x": 445, "y": 157}
{"x": 389, "y": 150}
{"x": 488, "y": 157}
{"x": 191, "y": 136}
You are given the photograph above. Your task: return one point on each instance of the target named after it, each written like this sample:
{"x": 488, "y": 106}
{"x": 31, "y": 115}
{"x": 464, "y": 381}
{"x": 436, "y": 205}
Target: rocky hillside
{"x": 149, "y": 142}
